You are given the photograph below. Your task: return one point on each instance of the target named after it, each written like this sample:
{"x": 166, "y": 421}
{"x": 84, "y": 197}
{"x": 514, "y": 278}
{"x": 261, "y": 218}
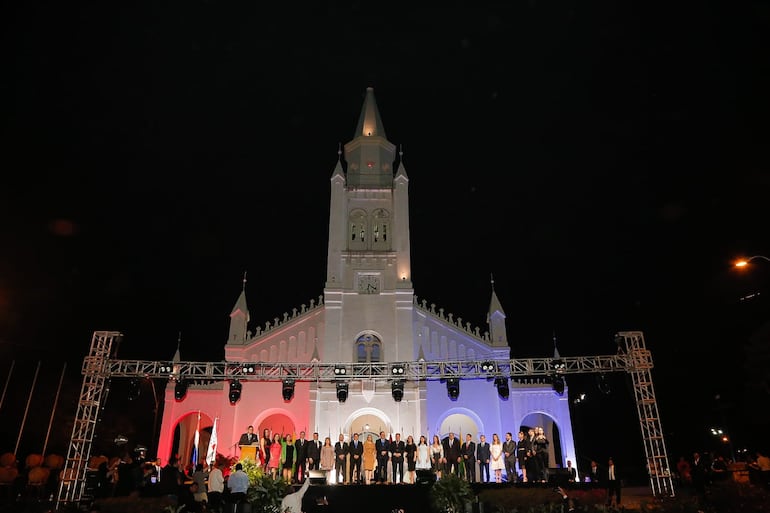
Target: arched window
{"x": 357, "y": 235}
{"x": 380, "y": 232}
{"x": 368, "y": 348}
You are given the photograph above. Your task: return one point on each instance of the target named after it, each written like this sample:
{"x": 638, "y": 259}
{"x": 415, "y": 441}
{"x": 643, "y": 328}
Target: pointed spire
{"x": 556, "y": 355}
{"x": 494, "y": 303}
{"x": 240, "y": 304}
{"x": 370, "y": 123}
{"x": 315, "y": 357}
{"x": 421, "y": 355}
{"x": 178, "y": 354}
{"x": 338, "y": 171}
{"x": 401, "y": 171}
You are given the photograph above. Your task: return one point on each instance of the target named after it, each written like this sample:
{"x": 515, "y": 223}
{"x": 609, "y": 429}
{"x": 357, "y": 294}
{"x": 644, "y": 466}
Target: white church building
{"x": 368, "y": 312}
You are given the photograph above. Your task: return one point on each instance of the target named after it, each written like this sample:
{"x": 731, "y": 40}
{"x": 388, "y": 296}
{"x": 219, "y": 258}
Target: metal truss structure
{"x": 632, "y": 358}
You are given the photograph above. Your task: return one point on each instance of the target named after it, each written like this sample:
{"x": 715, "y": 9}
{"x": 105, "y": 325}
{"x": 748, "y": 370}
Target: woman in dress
{"x": 370, "y": 459}
{"x": 287, "y": 458}
{"x": 410, "y": 452}
{"x": 275, "y": 455}
{"x": 541, "y": 453}
{"x": 423, "y": 454}
{"x": 264, "y": 450}
{"x": 327, "y": 457}
{"x": 496, "y": 463}
{"x": 437, "y": 456}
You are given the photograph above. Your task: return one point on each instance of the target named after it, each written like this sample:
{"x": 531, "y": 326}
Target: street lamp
{"x": 744, "y": 262}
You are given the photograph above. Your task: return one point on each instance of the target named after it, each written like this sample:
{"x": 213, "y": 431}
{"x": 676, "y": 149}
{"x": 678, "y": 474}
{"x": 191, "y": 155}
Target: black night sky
{"x": 604, "y": 161}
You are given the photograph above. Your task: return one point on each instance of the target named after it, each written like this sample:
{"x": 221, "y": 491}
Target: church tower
{"x": 368, "y": 267}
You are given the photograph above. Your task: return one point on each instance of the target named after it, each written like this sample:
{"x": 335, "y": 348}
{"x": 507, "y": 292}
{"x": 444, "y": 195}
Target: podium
{"x": 249, "y": 452}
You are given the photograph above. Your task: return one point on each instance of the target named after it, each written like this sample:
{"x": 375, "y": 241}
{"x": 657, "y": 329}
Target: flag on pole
{"x": 211, "y": 452}
{"x": 196, "y": 440}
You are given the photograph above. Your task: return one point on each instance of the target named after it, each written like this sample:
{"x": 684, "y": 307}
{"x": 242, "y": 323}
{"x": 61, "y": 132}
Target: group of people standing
{"x": 394, "y": 460}
{"x": 529, "y": 452}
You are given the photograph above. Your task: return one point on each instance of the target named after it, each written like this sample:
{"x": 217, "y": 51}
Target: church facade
{"x": 368, "y": 312}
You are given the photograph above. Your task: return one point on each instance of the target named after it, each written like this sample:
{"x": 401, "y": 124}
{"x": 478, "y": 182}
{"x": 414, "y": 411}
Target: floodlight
{"x": 453, "y": 388}
{"x": 342, "y": 392}
{"x": 502, "y": 387}
{"x": 180, "y": 390}
{"x": 397, "y": 390}
{"x": 235, "y": 391}
{"x": 288, "y": 389}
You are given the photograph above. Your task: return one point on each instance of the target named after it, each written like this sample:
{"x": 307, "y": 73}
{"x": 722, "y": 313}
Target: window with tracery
{"x": 380, "y": 230}
{"x": 368, "y": 349}
{"x": 358, "y": 230}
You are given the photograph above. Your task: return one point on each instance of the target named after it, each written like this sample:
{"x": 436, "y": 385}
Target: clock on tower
{"x": 369, "y": 284}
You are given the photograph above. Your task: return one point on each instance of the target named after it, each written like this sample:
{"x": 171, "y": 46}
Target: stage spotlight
{"x": 453, "y": 388}
{"x": 180, "y": 390}
{"x": 166, "y": 368}
{"x": 134, "y": 389}
{"x": 288, "y": 389}
{"x": 248, "y": 368}
{"x": 342, "y": 392}
{"x": 397, "y": 390}
{"x": 397, "y": 370}
{"x": 339, "y": 370}
{"x": 502, "y": 387}
{"x": 235, "y": 391}
{"x": 488, "y": 366}
{"x": 558, "y": 385}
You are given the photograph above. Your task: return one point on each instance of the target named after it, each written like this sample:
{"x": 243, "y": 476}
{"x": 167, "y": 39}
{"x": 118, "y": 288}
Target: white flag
{"x": 196, "y": 440}
{"x": 211, "y": 453}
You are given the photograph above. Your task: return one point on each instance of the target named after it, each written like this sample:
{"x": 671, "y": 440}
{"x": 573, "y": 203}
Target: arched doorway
{"x": 551, "y": 431}
{"x": 184, "y": 437}
{"x": 368, "y": 423}
{"x": 278, "y": 423}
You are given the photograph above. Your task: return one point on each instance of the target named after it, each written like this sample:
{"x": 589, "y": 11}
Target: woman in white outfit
{"x": 423, "y": 454}
{"x": 496, "y": 463}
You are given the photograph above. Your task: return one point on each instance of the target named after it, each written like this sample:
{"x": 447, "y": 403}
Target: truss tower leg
{"x": 640, "y": 365}
{"x": 92, "y": 393}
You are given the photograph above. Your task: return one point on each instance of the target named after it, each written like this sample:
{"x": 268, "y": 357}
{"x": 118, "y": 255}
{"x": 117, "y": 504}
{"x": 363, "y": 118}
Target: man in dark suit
{"x": 613, "y": 484}
{"x": 341, "y": 459}
{"x": 483, "y": 455}
{"x": 248, "y": 437}
{"x": 397, "y": 448}
{"x": 300, "y": 449}
{"x": 356, "y": 449}
{"x": 313, "y": 453}
{"x": 509, "y": 458}
{"x": 468, "y": 450}
{"x": 593, "y": 472}
{"x": 382, "y": 446}
{"x": 571, "y": 472}
{"x": 452, "y": 453}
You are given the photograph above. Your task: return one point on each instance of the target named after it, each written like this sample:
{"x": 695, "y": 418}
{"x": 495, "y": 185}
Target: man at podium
{"x": 248, "y": 437}
{"x": 248, "y": 444}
